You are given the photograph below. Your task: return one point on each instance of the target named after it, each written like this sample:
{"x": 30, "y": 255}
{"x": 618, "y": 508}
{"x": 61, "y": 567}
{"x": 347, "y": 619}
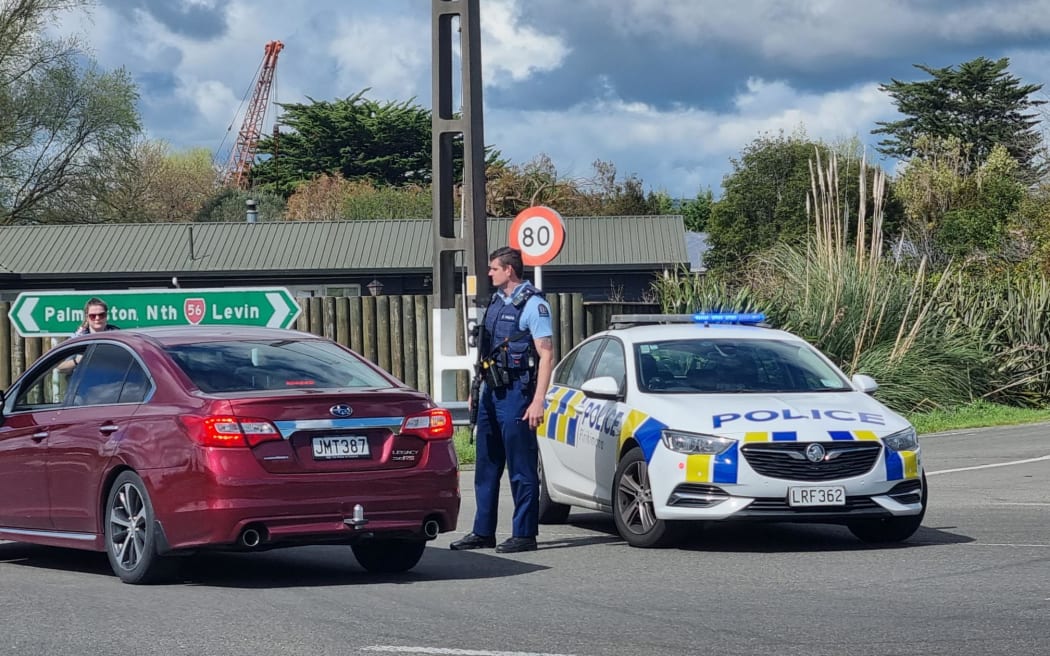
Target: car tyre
{"x": 889, "y": 529}
{"x": 389, "y": 556}
{"x": 633, "y": 510}
{"x": 551, "y": 512}
{"x": 130, "y": 529}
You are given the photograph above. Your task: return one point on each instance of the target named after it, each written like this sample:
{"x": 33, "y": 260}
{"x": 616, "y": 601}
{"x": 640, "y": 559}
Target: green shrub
{"x": 878, "y": 319}
{"x": 934, "y": 373}
{"x": 932, "y": 339}
{"x": 682, "y": 292}
{"x": 1009, "y": 318}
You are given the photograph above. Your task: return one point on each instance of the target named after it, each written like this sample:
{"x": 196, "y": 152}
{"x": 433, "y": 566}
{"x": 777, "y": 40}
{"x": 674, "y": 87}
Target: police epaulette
{"x": 523, "y": 297}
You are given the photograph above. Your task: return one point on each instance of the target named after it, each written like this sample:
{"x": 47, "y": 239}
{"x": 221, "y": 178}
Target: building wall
{"x": 603, "y": 285}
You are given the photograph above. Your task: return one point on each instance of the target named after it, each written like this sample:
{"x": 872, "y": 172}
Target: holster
{"x": 496, "y": 377}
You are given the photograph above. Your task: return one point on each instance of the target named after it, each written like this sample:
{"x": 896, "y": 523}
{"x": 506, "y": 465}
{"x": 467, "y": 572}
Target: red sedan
{"x": 153, "y": 443}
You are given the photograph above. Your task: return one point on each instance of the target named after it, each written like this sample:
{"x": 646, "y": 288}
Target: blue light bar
{"x": 722, "y": 317}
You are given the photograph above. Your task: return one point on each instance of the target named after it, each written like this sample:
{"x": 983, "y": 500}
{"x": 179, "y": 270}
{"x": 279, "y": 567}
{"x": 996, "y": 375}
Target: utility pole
{"x": 472, "y": 241}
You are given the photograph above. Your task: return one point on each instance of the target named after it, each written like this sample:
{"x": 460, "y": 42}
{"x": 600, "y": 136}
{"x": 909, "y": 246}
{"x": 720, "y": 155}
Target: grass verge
{"x": 464, "y": 449}
{"x": 978, "y": 414}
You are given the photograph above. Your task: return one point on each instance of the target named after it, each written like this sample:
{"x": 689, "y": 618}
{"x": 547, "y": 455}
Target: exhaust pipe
{"x": 431, "y": 528}
{"x": 250, "y": 538}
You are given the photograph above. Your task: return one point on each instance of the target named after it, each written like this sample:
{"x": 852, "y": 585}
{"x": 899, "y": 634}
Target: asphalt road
{"x": 974, "y": 580}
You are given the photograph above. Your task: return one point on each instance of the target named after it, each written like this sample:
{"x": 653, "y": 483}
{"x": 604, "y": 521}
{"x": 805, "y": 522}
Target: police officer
{"x": 518, "y": 336}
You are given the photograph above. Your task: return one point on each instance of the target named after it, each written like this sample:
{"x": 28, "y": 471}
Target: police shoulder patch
{"x": 544, "y": 310}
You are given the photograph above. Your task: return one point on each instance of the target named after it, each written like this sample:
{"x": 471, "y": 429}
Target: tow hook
{"x": 358, "y": 520}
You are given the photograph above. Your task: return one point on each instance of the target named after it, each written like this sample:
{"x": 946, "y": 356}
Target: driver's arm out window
{"x": 48, "y": 388}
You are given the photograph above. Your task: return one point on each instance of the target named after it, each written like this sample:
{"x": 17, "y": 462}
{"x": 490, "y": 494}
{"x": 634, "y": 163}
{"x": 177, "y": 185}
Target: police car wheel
{"x": 889, "y": 529}
{"x": 551, "y": 512}
{"x": 633, "y": 505}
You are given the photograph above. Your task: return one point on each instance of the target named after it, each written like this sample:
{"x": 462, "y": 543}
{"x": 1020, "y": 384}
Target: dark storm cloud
{"x": 171, "y": 117}
{"x": 669, "y": 89}
{"x": 190, "y": 20}
{"x": 665, "y": 71}
{"x": 605, "y": 62}
{"x": 156, "y": 84}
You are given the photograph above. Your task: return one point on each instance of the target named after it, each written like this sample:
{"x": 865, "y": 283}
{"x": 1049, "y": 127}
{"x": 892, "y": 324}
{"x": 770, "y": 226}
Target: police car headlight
{"x": 683, "y": 442}
{"x": 905, "y": 440}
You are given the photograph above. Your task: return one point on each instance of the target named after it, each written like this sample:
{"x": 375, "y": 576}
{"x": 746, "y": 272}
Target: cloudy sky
{"x": 668, "y": 90}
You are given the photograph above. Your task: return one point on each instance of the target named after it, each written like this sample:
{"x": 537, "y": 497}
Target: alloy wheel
{"x": 127, "y": 523}
{"x": 635, "y": 499}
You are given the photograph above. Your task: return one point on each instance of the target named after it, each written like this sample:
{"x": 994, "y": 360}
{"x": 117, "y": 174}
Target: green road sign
{"x": 41, "y": 314}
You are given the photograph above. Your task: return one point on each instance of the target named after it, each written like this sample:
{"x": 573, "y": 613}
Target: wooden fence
{"x": 392, "y": 331}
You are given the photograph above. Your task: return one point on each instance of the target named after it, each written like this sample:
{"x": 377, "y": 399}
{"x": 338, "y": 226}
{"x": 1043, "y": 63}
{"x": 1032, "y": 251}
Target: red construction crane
{"x": 243, "y": 154}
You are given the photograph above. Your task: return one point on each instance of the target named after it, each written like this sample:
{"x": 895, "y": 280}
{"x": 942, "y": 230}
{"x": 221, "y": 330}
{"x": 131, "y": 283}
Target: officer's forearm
{"x": 543, "y": 375}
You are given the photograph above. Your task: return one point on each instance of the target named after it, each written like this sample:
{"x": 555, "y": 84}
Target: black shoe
{"x": 472, "y": 541}
{"x": 515, "y": 545}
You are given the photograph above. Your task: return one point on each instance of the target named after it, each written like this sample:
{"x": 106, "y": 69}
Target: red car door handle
{"x": 39, "y": 436}
{"x": 108, "y": 428}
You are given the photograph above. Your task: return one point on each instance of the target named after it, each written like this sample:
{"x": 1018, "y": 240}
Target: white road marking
{"x": 997, "y": 464}
{"x": 1024, "y": 503}
{"x": 401, "y": 649}
{"x": 1006, "y": 544}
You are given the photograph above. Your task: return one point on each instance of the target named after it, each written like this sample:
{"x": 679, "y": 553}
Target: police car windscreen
{"x": 734, "y": 366}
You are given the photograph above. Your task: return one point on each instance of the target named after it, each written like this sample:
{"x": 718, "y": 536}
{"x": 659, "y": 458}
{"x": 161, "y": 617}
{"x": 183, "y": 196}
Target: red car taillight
{"x": 230, "y": 431}
{"x": 434, "y": 424}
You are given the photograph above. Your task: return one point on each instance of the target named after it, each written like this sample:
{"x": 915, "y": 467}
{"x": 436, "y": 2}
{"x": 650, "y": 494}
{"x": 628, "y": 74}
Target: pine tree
{"x": 979, "y": 103}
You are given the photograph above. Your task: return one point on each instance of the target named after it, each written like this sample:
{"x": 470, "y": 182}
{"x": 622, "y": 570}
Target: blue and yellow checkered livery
{"x": 559, "y": 417}
{"x": 723, "y": 467}
{"x": 560, "y": 422}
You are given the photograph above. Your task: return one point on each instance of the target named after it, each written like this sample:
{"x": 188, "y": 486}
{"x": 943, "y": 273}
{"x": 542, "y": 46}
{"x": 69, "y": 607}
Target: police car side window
{"x": 611, "y": 363}
{"x": 564, "y": 368}
{"x": 581, "y": 366}
{"x": 561, "y": 372}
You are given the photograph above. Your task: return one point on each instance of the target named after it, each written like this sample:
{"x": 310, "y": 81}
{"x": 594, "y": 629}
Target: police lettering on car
{"x": 720, "y": 420}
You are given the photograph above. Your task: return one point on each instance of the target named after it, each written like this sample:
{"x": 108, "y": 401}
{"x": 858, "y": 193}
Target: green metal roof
{"x": 614, "y": 242}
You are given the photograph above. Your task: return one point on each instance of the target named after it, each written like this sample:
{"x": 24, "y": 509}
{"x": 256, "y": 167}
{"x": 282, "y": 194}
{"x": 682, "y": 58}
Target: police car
{"x": 668, "y": 418}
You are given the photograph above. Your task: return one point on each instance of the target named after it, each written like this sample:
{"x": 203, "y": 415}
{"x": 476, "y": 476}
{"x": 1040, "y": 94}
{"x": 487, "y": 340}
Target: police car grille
{"x": 780, "y": 505}
{"x": 788, "y": 460}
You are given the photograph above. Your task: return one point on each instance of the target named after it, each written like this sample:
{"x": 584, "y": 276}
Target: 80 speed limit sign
{"x": 539, "y": 233}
